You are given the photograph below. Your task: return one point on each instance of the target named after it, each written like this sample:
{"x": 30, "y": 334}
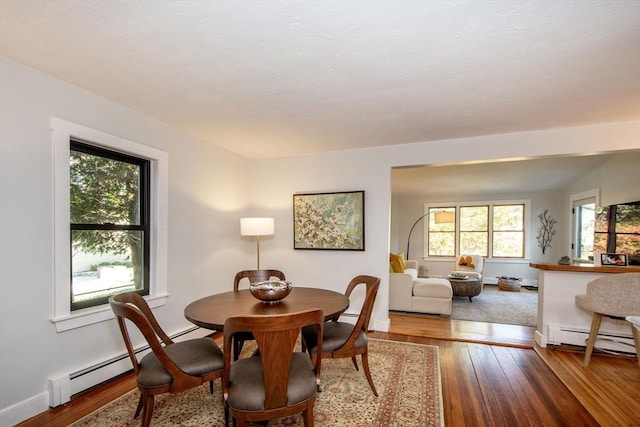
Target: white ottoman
{"x": 431, "y": 295}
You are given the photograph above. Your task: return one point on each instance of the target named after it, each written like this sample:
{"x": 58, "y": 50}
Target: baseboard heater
{"x": 616, "y": 342}
{"x": 62, "y": 387}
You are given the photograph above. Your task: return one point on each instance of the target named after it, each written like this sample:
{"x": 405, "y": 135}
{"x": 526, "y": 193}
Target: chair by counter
{"x": 171, "y": 367}
{"x": 278, "y": 381}
{"x": 343, "y": 339}
{"x": 635, "y": 326}
{"x": 252, "y": 276}
{"x": 615, "y": 296}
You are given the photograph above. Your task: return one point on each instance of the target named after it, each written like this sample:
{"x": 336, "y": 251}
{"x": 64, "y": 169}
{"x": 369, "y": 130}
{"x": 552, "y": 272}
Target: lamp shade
{"x": 444, "y": 217}
{"x": 256, "y": 226}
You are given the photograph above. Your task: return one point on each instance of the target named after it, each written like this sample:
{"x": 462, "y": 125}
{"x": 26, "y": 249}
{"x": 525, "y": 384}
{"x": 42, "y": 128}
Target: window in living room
{"x": 617, "y": 230}
{"x": 584, "y": 216}
{"x": 494, "y": 229}
{"x": 441, "y": 234}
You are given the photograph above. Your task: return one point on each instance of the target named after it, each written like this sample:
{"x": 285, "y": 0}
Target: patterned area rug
{"x": 407, "y": 377}
{"x": 496, "y": 306}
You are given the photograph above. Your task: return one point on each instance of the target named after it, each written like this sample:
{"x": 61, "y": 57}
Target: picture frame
{"x": 617, "y": 260}
{"x": 329, "y": 221}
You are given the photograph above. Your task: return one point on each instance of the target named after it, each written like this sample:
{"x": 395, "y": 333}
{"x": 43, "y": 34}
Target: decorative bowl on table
{"x": 459, "y": 276}
{"x": 270, "y": 291}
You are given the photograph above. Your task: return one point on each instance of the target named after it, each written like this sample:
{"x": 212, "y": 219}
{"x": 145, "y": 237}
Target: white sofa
{"x": 408, "y": 292}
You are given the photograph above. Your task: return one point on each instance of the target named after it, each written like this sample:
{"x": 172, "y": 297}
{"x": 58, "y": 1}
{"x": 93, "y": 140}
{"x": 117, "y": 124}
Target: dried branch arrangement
{"x": 546, "y": 230}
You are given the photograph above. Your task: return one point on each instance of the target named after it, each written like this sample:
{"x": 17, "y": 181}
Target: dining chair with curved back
{"x": 171, "y": 367}
{"x": 256, "y": 276}
{"x": 344, "y": 339}
{"x": 252, "y": 276}
{"x": 278, "y": 381}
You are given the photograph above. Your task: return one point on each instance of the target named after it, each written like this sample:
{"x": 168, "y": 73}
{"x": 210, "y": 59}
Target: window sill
{"x": 93, "y": 315}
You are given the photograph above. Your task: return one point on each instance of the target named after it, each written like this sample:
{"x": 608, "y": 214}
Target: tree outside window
{"x": 474, "y": 230}
{"x": 441, "y": 236}
{"x": 617, "y": 230}
{"x": 508, "y": 231}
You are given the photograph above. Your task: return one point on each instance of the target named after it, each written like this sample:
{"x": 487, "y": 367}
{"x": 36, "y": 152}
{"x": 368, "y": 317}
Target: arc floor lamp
{"x": 441, "y": 217}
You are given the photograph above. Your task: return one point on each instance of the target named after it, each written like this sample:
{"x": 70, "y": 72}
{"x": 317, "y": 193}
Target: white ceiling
{"x": 282, "y": 78}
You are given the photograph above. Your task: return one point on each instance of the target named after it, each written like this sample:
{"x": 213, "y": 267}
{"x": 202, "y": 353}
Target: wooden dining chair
{"x": 252, "y": 276}
{"x": 343, "y": 339}
{"x": 277, "y": 381}
{"x": 171, "y": 367}
{"x": 256, "y": 276}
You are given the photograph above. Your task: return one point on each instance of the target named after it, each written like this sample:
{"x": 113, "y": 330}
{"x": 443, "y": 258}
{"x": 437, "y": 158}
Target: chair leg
{"x": 140, "y": 405}
{"x": 147, "y": 412}
{"x": 365, "y": 365}
{"x": 636, "y": 340}
{"x": 593, "y": 334}
{"x": 355, "y": 363}
{"x": 211, "y": 386}
{"x": 307, "y": 416}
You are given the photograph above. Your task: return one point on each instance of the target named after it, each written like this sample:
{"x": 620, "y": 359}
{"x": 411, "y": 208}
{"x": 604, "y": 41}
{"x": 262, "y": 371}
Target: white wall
{"x": 618, "y": 180}
{"x": 209, "y": 189}
{"x": 207, "y": 193}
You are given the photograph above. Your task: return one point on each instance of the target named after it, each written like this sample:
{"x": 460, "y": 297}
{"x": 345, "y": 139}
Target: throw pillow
{"x": 397, "y": 262}
{"x": 466, "y": 262}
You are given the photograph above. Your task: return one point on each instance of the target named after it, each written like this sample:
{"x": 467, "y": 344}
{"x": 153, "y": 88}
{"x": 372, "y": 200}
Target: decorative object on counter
{"x": 565, "y": 260}
{"x": 458, "y": 276}
{"x": 271, "y": 291}
{"x": 506, "y": 283}
{"x": 619, "y": 260}
{"x": 545, "y": 230}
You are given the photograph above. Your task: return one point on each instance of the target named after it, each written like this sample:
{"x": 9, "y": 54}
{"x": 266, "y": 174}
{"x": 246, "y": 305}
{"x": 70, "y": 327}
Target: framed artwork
{"x": 331, "y": 221}
{"x": 614, "y": 259}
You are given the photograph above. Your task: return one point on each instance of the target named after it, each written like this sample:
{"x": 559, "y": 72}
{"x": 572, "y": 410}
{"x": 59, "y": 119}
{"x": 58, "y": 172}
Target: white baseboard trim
{"x": 24, "y": 410}
{"x": 382, "y": 325}
{"x": 66, "y": 385}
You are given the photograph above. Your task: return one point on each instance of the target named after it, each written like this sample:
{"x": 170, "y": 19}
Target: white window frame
{"x": 593, "y": 194}
{"x": 62, "y": 133}
{"x": 527, "y": 227}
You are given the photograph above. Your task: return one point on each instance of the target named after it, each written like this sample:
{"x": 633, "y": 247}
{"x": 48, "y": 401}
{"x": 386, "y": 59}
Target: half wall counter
{"x": 560, "y": 321}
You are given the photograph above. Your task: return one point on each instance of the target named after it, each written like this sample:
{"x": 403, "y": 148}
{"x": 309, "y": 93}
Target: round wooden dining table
{"x": 211, "y": 312}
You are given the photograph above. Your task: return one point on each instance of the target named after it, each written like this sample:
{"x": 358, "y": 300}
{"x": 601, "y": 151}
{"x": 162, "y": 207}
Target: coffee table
{"x": 468, "y": 287}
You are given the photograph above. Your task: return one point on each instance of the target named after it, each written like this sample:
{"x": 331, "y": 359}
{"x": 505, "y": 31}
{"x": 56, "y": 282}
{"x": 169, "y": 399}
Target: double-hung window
{"x": 110, "y": 223}
{"x": 492, "y": 229}
{"x": 110, "y": 233}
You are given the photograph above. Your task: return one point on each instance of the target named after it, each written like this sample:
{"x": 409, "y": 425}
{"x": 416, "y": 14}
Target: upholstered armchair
{"x": 470, "y": 265}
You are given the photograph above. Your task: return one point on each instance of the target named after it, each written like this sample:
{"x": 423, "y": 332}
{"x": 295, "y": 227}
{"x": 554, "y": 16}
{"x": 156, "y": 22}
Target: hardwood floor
{"x": 495, "y": 384}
